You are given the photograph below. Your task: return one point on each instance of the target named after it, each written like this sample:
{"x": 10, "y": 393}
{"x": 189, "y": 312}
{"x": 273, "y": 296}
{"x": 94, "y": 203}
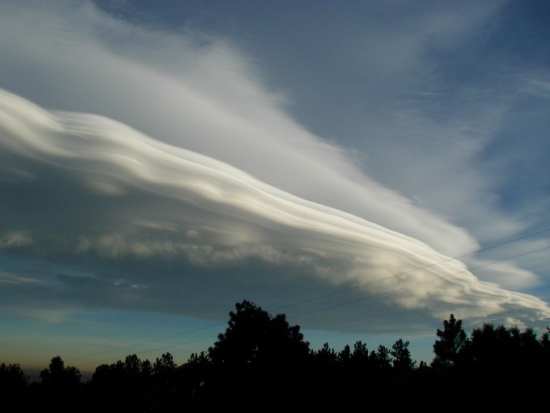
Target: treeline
{"x": 261, "y": 363}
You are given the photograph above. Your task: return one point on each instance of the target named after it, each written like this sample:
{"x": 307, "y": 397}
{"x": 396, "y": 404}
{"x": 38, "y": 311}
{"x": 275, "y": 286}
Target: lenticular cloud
{"x": 76, "y": 187}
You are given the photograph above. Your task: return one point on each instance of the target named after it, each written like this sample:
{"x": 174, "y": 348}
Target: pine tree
{"x": 451, "y": 340}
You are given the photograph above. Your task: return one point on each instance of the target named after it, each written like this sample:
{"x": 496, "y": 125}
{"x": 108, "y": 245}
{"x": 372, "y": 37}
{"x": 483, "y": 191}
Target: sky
{"x": 367, "y": 168}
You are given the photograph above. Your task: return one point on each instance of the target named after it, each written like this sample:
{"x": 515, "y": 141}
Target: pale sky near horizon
{"x": 365, "y": 167}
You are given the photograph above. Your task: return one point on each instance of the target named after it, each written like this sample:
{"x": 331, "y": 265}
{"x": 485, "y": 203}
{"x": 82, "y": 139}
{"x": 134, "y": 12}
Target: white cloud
{"x": 235, "y": 220}
{"x": 114, "y": 201}
{"x": 9, "y": 278}
{"x": 507, "y": 275}
{"x": 536, "y": 86}
{"x": 15, "y": 239}
{"x": 202, "y": 96}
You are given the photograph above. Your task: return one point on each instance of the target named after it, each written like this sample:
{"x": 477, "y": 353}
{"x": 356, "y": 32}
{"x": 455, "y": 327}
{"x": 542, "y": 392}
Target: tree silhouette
{"x": 60, "y": 386}
{"x": 13, "y": 380}
{"x": 165, "y": 364}
{"x": 261, "y": 360}
{"x": 256, "y": 358}
{"x": 255, "y": 337}
{"x": 451, "y": 340}
{"x": 380, "y": 359}
{"x": 126, "y": 386}
{"x": 57, "y": 376}
{"x": 402, "y": 356}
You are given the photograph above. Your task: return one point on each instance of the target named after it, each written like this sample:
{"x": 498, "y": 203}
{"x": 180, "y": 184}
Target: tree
{"x": 60, "y": 387}
{"x": 13, "y": 379}
{"x": 164, "y": 371}
{"x": 165, "y": 365}
{"x": 380, "y": 359}
{"x": 326, "y": 355}
{"x": 402, "y": 356}
{"x": 258, "y": 358}
{"x": 57, "y": 376}
{"x": 451, "y": 340}
{"x": 495, "y": 347}
{"x": 123, "y": 375}
{"x": 255, "y": 337}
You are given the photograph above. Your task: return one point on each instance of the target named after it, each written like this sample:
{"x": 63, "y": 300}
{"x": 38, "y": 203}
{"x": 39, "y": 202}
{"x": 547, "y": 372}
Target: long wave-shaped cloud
{"x": 144, "y": 219}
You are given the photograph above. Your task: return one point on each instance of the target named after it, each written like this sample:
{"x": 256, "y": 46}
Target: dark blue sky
{"x": 183, "y": 156}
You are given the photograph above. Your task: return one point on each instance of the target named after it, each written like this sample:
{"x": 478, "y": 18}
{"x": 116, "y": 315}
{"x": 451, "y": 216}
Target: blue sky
{"x": 368, "y": 168}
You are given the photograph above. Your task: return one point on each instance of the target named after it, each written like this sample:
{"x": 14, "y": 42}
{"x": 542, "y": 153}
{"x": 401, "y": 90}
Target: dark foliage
{"x": 258, "y": 359}
{"x": 13, "y": 380}
{"x": 451, "y": 341}
{"x": 261, "y": 363}
{"x": 60, "y": 387}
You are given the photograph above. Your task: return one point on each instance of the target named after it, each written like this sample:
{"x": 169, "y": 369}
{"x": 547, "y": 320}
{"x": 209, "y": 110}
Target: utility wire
{"x": 414, "y": 285}
{"x": 150, "y": 341}
{"x": 341, "y": 291}
{"x": 354, "y": 287}
{"x": 382, "y": 293}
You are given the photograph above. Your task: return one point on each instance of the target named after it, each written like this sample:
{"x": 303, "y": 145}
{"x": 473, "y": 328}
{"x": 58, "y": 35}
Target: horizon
{"x": 365, "y": 168}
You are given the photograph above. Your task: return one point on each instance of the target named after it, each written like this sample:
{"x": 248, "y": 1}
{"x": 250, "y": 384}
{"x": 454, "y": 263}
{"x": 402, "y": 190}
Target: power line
{"x": 364, "y": 298}
{"x": 341, "y": 291}
{"x": 354, "y": 287}
{"x": 151, "y": 350}
{"x": 148, "y": 341}
{"x": 414, "y": 285}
